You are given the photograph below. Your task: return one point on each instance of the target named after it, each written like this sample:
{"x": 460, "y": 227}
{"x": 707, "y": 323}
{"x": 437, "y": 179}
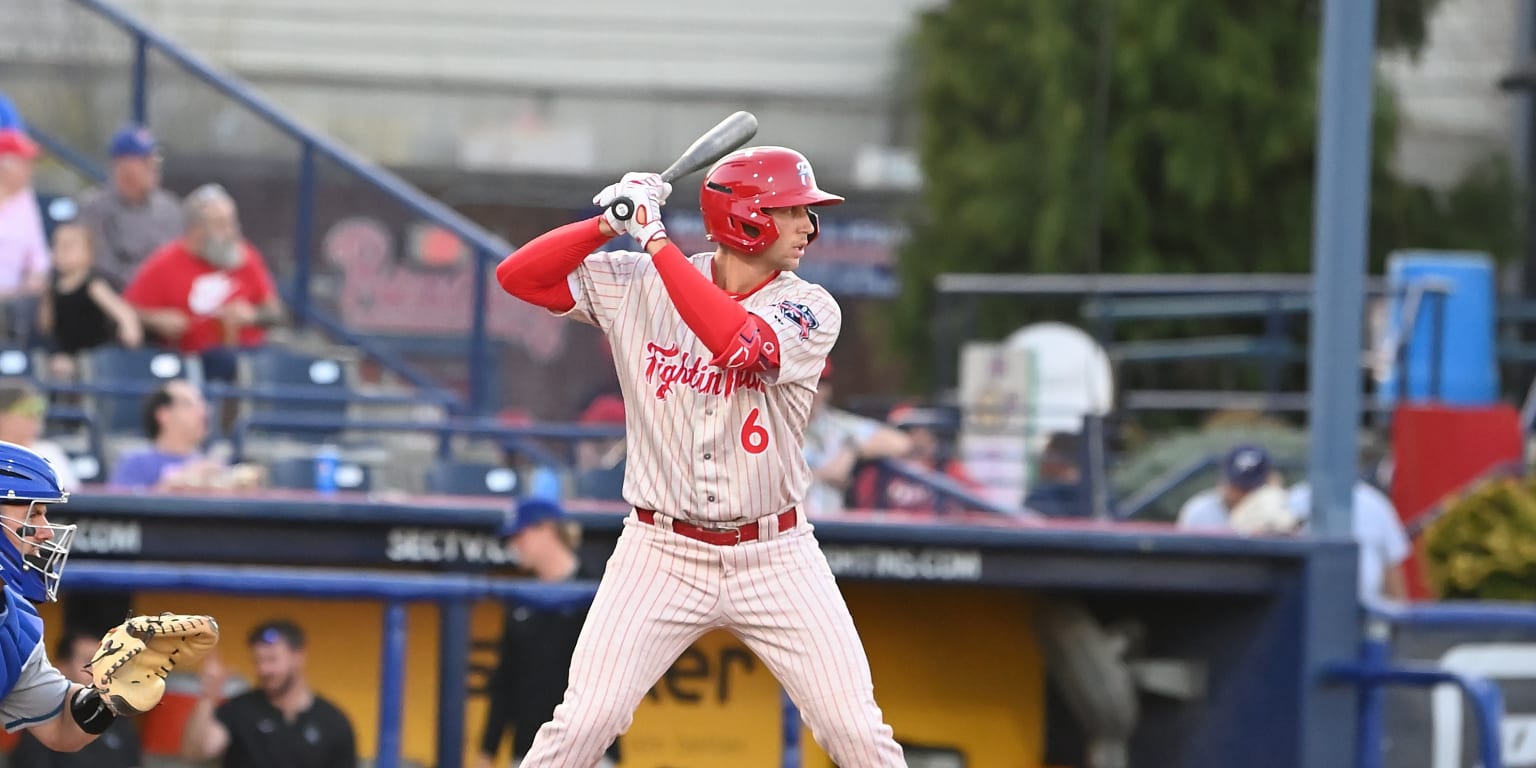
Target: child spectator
{"x": 81, "y": 309}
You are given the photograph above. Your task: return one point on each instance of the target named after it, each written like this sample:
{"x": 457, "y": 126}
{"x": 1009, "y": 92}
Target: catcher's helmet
{"x": 27, "y": 479}
{"x": 743, "y": 183}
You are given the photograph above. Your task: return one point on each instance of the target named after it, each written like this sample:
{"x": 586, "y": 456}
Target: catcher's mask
{"x": 742, "y": 184}
{"x": 26, "y": 480}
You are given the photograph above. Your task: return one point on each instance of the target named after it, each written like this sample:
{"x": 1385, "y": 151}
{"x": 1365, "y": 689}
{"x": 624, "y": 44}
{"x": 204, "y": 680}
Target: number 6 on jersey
{"x": 754, "y": 437}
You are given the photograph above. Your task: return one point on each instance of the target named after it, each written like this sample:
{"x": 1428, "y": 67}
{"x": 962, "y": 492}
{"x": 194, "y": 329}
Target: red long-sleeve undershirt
{"x": 537, "y": 273}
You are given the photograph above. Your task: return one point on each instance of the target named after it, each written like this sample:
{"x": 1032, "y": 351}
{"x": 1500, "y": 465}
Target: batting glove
{"x": 648, "y": 193}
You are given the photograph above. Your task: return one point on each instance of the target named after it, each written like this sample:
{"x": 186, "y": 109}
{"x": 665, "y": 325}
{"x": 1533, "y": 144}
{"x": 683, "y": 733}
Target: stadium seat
{"x": 299, "y": 473}
{"x": 56, "y": 210}
{"x": 605, "y": 484}
{"x": 121, "y": 414}
{"x": 15, "y": 361}
{"x": 88, "y": 466}
{"x": 299, "y": 373}
{"x": 457, "y": 478}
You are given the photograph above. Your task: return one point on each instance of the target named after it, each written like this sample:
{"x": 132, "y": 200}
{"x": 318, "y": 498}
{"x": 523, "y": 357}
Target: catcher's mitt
{"x": 130, "y": 666}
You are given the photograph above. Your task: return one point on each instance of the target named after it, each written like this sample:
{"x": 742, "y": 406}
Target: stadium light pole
{"x": 1339, "y": 243}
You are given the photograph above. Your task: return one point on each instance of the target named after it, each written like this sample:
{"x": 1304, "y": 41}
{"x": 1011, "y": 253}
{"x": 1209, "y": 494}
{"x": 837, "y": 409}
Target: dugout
{"x": 948, "y": 614}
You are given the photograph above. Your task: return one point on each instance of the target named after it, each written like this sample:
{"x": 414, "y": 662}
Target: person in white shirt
{"x": 1249, "y": 499}
{"x": 836, "y": 441}
{"x": 1384, "y": 544}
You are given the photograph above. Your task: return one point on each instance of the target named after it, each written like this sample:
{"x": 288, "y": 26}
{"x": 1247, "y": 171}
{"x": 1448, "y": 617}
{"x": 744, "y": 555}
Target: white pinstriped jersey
{"x": 707, "y": 445}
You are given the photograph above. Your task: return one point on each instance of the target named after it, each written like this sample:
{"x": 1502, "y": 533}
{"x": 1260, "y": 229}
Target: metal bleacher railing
{"x": 485, "y": 247}
{"x": 1109, "y": 301}
{"x": 1375, "y": 669}
{"x": 948, "y": 494}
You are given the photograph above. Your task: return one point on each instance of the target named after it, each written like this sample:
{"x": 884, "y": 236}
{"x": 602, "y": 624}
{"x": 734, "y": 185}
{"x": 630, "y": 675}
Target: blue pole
{"x": 479, "y": 354}
{"x": 140, "y": 78}
{"x": 792, "y": 757}
{"x": 303, "y": 234}
{"x": 392, "y": 687}
{"x": 453, "y": 671}
{"x": 1338, "y": 256}
{"x": 1375, "y": 653}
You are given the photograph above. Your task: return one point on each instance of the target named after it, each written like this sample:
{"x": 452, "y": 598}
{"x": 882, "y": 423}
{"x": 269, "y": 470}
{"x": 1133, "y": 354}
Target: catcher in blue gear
{"x": 130, "y": 666}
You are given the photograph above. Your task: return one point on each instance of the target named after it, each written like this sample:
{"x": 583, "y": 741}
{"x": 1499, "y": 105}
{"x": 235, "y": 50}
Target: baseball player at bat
{"x": 34, "y": 695}
{"x": 718, "y": 356}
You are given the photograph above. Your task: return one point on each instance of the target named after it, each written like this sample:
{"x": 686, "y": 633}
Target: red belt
{"x": 723, "y": 537}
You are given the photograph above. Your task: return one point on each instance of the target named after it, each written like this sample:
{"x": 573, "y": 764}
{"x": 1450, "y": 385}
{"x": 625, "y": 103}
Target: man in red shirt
{"x": 208, "y": 292}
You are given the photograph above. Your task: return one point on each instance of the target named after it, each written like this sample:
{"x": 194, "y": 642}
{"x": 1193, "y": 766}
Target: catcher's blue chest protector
{"x": 21, "y": 629}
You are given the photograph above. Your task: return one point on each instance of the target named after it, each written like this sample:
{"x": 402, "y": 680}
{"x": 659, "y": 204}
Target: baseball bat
{"x": 715, "y": 143}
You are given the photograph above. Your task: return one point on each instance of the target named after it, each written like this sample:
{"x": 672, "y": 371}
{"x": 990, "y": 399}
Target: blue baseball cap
{"x": 1247, "y": 467}
{"x": 133, "y": 141}
{"x": 528, "y": 513}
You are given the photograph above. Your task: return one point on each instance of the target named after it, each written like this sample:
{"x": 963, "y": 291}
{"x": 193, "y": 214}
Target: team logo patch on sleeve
{"x": 800, "y": 315}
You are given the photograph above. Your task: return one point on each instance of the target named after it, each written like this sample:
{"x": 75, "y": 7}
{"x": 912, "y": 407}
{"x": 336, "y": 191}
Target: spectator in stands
{"x": 176, "y": 422}
{"x": 22, "y": 412}
{"x": 24, "y": 259}
{"x": 928, "y": 431}
{"x": 537, "y": 642}
{"x": 208, "y": 292}
{"x": 1059, "y": 490}
{"x": 600, "y": 461}
{"x": 1376, "y": 526}
{"x": 1250, "y": 499}
{"x": 118, "y": 747}
{"x": 281, "y": 722}
{"x": 131, "y": 215}
{"x": 81, "y": 309}
{"x": 836, "y": 441}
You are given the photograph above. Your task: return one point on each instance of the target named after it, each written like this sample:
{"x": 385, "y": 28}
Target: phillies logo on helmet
{"x": 801, "y": 316}
{"x": 804, "y": 169}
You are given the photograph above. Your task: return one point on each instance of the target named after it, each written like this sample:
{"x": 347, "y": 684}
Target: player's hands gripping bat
{"x": 130, "y": 666}
{"x": 646, "y": 193}
{"x": 717, "y": 142}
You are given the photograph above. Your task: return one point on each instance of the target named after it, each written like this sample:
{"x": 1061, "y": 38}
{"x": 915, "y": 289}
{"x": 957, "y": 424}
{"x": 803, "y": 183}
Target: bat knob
{"x": 622, "y": 209}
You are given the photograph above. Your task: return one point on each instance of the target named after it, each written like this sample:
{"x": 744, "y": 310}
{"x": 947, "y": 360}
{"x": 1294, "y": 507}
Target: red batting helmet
{"x": 743, "y": 183}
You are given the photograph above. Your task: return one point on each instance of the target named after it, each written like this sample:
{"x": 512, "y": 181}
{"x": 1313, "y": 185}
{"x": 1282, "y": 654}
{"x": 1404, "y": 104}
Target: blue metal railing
{"x": 1375, "y": 669}
{"x": 486, "y": 248}
{"x": 471, "y": 427}
{"x": 946, "y": 491}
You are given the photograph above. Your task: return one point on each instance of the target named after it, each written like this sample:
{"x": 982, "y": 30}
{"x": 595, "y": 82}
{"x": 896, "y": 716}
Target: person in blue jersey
{"x": 34, "y": 695}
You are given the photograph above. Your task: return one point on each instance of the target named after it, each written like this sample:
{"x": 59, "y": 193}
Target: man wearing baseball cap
{"x": 131, "y": 215}
{"x": 24, "y": 254}
{"x": 537, "y": 643}
{"x": 1248, "y": 500}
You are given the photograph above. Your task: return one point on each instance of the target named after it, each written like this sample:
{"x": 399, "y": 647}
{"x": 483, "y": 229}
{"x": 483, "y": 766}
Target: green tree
{"x": 1170, "y": 136}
